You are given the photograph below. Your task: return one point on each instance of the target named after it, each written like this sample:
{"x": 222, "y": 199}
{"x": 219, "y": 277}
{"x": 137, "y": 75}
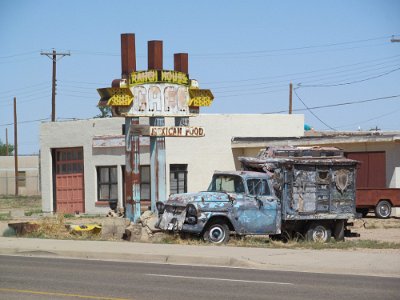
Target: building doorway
{"x": 69, "y": 180}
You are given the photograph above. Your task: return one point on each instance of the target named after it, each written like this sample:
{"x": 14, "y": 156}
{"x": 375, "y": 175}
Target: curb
{"x": 140, "y": 258}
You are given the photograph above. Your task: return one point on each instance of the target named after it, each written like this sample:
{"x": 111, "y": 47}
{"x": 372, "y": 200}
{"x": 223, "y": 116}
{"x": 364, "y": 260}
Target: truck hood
{"x": 184, "y": 199}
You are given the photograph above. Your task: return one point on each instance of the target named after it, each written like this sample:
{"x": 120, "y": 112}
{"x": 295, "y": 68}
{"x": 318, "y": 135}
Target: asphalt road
{"x": 51, "y": 278}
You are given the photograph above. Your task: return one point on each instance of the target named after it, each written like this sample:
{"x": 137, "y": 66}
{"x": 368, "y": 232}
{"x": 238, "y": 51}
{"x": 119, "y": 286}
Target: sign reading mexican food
{"x": 158, "y": 76}
{"x": 170, "y": 131}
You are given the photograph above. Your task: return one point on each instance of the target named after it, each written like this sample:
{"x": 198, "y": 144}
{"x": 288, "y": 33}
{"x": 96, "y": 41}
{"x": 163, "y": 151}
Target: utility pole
{"x": 290, "y": 98}
{"x": 15, "y": 146}
{"x": 6, "y": 141}
{"x": 53, "y": 56}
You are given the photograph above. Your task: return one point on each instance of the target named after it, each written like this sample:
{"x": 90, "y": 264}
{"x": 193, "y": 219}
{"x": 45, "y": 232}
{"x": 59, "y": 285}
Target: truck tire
{"x": 217, "y": 233}
{"x": 338, "y": 232}
{"x": 318, "y": 233}
{"x": 383, "y": 209}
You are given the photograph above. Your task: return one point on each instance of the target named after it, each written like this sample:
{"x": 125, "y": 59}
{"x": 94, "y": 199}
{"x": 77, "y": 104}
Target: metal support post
{"x": 132, "y": 173}
{"x": 157, "y": 165}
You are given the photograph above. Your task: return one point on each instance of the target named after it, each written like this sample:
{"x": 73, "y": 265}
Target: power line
{"x": 261, "y": 52}
{"x": 296, "y": 48}
{"x": 25, "y": 122}
{"x": 23, "y": 88}
{"x": 85, "y": 82}
{"x": 341, "y": 104}
{"x": 351, "y": 82}
{"x": 284, "y": 81}
{"x": 295, "y": 92}
{"x": 371, "y": 119}
{"x": 19, "y": 54}
{"x": 26, "y": 101}
{"x": 307, "y": 72}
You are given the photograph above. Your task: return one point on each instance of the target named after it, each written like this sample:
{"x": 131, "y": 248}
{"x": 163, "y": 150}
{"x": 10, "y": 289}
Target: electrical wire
{"x": 267, "y": 85}
{"x": 307, "y": 72}
{"x": 340, "y": 104}
{"x": 348, "y": 83}
{"x": 25, "y": 122}
{"x": 19, "y": 54}
{"x": 298, "y": 48}
{"x": 227, "y": 56}
{"x": 371, "y": 119}
{"x": 312, "y": 111}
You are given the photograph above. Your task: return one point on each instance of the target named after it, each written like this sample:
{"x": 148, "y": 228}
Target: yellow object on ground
{"x": 91, "y": 228}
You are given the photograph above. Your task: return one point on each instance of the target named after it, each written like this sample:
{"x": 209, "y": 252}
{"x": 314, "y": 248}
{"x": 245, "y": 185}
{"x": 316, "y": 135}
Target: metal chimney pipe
{"x": 181, "y": 62}
{"x": 128, "y": 54}
{"x": 155, "y": 55}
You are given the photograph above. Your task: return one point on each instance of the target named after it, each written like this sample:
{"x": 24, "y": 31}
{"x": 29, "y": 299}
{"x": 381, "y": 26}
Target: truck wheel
{"x": 338, "y": 233}
{"x": 383, "y": 209}
{"x": 318, "y": 233}
{"x": 217, "y": 233}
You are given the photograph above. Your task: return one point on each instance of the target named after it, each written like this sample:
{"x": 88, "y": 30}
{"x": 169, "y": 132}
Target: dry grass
{"x": 56, "y": 228}
{"x": 21, "y": 202}
{"x": 298, "y": 243}
{"x": 371, "y": 223}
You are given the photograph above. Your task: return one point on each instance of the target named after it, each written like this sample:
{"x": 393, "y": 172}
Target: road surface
{"x": 53, "y": 278}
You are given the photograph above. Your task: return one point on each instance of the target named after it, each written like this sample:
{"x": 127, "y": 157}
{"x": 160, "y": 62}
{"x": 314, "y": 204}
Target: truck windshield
{"x": 227, "y": 183}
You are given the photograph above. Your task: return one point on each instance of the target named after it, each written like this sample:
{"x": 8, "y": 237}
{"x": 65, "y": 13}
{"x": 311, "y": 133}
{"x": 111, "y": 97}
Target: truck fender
{"x": 219, "y": 217}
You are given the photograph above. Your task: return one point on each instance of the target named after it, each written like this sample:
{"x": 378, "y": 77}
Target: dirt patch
{"x": 384, "y": 230}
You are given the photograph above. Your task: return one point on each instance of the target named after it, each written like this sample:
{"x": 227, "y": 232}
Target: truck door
{"x": 259, "y": 211}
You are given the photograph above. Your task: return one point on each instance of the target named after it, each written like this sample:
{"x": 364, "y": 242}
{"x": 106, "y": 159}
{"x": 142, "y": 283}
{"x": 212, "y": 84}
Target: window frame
{"x": 108, "y": 183}
{"x": 175, "y": 170}
{"x": 252, "y": 192}
{"x": 145, "y": 182}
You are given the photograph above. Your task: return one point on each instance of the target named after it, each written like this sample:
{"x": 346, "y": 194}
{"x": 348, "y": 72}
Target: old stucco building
{"x": 82, "y": 162}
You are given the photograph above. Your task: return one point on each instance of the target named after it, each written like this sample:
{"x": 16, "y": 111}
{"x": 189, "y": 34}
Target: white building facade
{"x": 83, "y": 162}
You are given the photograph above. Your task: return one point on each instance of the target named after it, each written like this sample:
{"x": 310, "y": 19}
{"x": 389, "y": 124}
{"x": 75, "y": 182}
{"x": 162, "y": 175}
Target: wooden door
{"x": 69, "y": 184}
{"x": 372, "y": 171}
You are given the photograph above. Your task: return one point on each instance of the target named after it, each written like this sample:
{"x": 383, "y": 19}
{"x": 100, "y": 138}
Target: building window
{"x": 107, "y": 184}
{"x": 145, "y": 182}
{"x": 177, "y": 179}
{"x": 21, "y": 179}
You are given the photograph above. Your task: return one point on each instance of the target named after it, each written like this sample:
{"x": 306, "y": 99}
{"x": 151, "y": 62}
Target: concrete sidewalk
{"x": 384, "y": 263}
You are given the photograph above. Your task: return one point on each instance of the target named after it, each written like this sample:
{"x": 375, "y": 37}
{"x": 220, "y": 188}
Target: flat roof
{"x": 318, "y": 138}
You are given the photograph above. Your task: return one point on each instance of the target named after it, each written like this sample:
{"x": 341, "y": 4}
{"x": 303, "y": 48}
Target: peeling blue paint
{"x": 273, "y": 195}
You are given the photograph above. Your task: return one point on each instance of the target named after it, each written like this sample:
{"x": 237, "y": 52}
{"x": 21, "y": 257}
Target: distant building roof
{"x": 312, "y": 138}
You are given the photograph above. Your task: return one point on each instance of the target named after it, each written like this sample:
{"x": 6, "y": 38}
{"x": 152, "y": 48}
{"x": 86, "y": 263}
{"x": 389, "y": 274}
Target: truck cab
{"x": 239, "y": 201}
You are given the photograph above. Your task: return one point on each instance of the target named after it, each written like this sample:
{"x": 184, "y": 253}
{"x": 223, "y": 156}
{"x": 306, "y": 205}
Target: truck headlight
{"x": 191, "y": 214}
{"x": 191, "y": 210}
{"x": 160, "y": 207}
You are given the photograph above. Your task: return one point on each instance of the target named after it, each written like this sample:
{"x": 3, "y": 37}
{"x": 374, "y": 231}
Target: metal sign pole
{"x": 132, "y": 173}
{"x": 157, "y": 165}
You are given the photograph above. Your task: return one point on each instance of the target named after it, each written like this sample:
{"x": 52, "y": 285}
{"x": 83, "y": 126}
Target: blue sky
{"x": 246, "y": 52}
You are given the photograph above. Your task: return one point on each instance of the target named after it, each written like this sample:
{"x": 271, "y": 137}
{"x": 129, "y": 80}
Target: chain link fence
{"x": 28, "y": 183}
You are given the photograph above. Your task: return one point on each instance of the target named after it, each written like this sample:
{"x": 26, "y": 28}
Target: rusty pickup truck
{"x": 282, "y": 193}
